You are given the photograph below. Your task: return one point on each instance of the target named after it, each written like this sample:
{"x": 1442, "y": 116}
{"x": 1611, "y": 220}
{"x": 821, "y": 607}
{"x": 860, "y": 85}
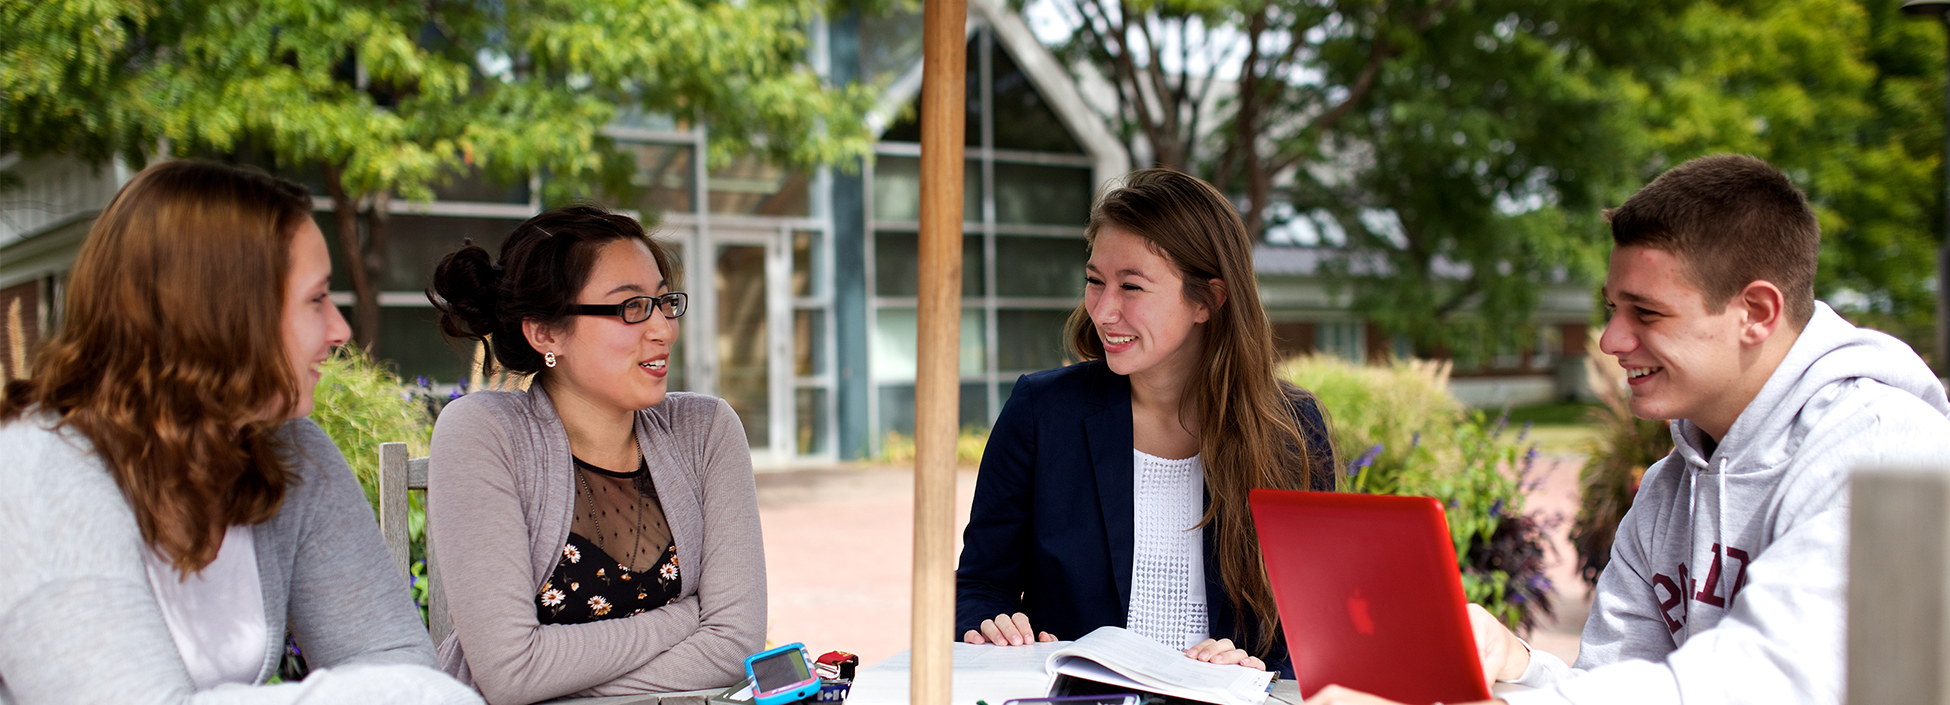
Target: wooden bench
{"x": 399, "y": 475}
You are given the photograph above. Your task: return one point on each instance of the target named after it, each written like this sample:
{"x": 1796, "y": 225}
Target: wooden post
{"x": 937, "y": 384}
{"x": 393, "y": 485}
{"x": 1899, "y": 587}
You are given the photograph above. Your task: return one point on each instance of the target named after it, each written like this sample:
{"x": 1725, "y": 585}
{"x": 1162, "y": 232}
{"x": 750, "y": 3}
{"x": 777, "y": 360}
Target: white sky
{"x": 1053, "y": 20}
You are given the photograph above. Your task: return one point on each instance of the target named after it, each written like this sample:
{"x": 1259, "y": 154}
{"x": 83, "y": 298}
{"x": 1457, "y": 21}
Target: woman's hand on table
{"x": 1337, "y": 695}
{"x": 1006, "y": 630}
{"x": 1221, "y": 651}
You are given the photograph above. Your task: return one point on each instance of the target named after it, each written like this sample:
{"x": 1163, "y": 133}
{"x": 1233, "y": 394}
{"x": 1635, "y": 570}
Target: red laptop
{"x": 1369, "y": 594}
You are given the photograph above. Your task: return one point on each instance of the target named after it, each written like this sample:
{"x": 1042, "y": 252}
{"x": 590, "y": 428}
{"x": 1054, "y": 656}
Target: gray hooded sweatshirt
{"x": 1728, "y": 580}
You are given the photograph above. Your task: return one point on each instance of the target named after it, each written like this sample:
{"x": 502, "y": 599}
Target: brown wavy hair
{"x": 1248, "y": 436}
{"x": 171, "y": 356}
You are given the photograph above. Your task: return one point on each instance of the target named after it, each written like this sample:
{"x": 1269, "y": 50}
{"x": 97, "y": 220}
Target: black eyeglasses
{"x": 636, "y": 309}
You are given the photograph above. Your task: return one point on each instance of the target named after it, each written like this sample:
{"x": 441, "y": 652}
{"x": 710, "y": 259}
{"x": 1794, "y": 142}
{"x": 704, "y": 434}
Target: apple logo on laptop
{"x": 1357, "y": 610}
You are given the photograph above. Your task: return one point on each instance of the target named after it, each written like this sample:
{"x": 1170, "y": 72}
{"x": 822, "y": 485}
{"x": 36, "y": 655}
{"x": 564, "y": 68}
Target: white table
{"x": 688, "y": 697}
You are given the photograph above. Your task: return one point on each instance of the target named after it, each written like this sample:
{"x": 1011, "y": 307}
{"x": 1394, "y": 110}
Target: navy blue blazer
{"x": 1051, "y": 533}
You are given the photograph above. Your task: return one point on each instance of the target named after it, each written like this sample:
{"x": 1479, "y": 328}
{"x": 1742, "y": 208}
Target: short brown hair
{"x": 1731, "y": 220}
{"x": 173, "y": 349}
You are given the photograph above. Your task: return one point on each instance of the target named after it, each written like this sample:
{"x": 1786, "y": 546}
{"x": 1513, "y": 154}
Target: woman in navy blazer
{"x": 1177, "y": 374}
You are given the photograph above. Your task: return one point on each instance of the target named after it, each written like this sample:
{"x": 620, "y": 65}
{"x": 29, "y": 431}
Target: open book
{"x": 1109, "y": 655}
{"x": 1120, "y": 658}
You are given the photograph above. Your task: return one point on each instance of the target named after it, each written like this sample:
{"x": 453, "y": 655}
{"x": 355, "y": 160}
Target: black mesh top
{"x": 619, "y": 559}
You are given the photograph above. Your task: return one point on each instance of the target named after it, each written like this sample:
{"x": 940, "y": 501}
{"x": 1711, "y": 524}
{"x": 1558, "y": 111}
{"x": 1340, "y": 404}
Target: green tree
{"x": 1847, "y": 97}
{"x": 1467, "y": 147}
{"x": 377, "y": 98}
{"x": 1462, "y": 146}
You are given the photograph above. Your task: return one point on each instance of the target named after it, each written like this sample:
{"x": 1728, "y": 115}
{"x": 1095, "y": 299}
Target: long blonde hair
{"x": 172, "y": 350}
{"x": 1248, "y": 435}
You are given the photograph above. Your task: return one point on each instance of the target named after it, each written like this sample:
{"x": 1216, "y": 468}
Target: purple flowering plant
{"x": 1417, "y": 439}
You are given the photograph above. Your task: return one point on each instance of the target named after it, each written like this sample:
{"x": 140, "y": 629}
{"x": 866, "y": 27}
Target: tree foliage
{"x": 1847, "y": 97}
{"x": 377, "y": 98}
{"x": 1463, "y": 150}
{"x": 1462, "y": 146}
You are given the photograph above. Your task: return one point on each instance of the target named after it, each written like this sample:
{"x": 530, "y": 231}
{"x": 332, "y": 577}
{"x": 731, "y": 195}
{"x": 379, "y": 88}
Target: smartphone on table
{"x": 782, "y": 675}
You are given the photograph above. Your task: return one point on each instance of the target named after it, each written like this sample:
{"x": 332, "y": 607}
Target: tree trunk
{"x": 345, "y": 212}
{"x": 1252, "y": 96}
{"x": 374, "y": 264}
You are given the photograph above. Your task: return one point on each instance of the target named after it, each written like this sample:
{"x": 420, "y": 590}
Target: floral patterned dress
{"x": 588, "y": 585}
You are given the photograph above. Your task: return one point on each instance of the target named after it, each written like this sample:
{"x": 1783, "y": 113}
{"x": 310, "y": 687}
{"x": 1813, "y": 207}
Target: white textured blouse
{"x": 216, "y": 615}
{"x": 1168, "y": 570}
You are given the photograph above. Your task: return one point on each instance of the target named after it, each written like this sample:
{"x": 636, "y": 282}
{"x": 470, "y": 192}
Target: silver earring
{"x": 548, "y": 358}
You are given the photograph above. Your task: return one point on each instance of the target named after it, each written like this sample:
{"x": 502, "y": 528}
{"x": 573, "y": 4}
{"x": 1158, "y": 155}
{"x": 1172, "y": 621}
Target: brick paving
{"x": 839, "y": 555}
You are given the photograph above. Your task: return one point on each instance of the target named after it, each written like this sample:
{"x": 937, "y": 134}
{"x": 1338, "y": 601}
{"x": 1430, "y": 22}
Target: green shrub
{"x": 360, "y": 404}
{"x": 898, "y": 448}
{"x": 1401, "y": 433}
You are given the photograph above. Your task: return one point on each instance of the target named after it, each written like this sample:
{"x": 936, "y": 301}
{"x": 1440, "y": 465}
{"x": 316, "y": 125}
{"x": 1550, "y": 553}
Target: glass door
{"x": 744, "y": 379}
{"x": 752, "y": 335}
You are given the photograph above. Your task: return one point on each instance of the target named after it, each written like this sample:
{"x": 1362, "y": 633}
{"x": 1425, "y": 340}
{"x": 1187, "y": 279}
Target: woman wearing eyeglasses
{"x": 597, "y": 535}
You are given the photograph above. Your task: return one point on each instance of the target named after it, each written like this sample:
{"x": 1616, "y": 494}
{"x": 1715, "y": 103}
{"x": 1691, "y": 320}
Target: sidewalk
{"x": 839, "y": 556}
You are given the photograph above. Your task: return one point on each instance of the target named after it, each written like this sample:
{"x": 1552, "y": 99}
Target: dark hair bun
{"x": 544, "y": 263}
{"x": 466, "y": 287}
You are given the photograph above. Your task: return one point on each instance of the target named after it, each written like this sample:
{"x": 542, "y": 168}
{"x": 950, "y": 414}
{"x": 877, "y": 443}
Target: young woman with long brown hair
{"x": 169, "y": 511}
{"x": 1113, "y": 491}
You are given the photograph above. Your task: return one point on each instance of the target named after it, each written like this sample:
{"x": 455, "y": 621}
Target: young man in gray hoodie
{"x": 1728, "y": 578}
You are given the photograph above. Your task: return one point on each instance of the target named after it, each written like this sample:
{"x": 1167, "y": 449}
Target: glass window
{"x": 328, "y": 223}
{"x": 1042, "y": 195}
{"x": 1346, "y": 339}
{"x": 1039, "y": 266}
{"x": 415, "y": 243}
{"x": 974, "y": 412}
{"x": 475, "y": 186}
{"x": 897, "y": 407}
{"x": 810, "y": 404}
{"x": 635, "y": 116}
{"x": 808, "y": 337}
{"x": 678, "y": 380}
{"x": 666, "y": 176}
{"x": 409, "y": 337}
{"x": 894, "y": 346}
{"x": 1030, "y": 340}
{"x": 1549, "y": 341}
{"x": 907, "y": 127}
{"x": 897, "y": 264}
{"x": 751, "y": 185}
{"x": 897, "y": 189}
{"x": 890, "y": 43}
{"x": 1023, "y": 120}
{"x": 804, "y": 276}
{"x": 743, "y": 381}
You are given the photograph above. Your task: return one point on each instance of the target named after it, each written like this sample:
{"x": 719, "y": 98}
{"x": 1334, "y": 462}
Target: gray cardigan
{"x": 500, "y": 498}
{"x": 79, "y": 622}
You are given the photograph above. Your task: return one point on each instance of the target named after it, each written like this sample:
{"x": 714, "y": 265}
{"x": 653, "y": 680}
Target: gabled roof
{"x": 1052, "y": 82}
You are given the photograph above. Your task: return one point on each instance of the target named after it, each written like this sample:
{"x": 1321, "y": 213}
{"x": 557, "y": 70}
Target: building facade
{"x": 803, "y": 283}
